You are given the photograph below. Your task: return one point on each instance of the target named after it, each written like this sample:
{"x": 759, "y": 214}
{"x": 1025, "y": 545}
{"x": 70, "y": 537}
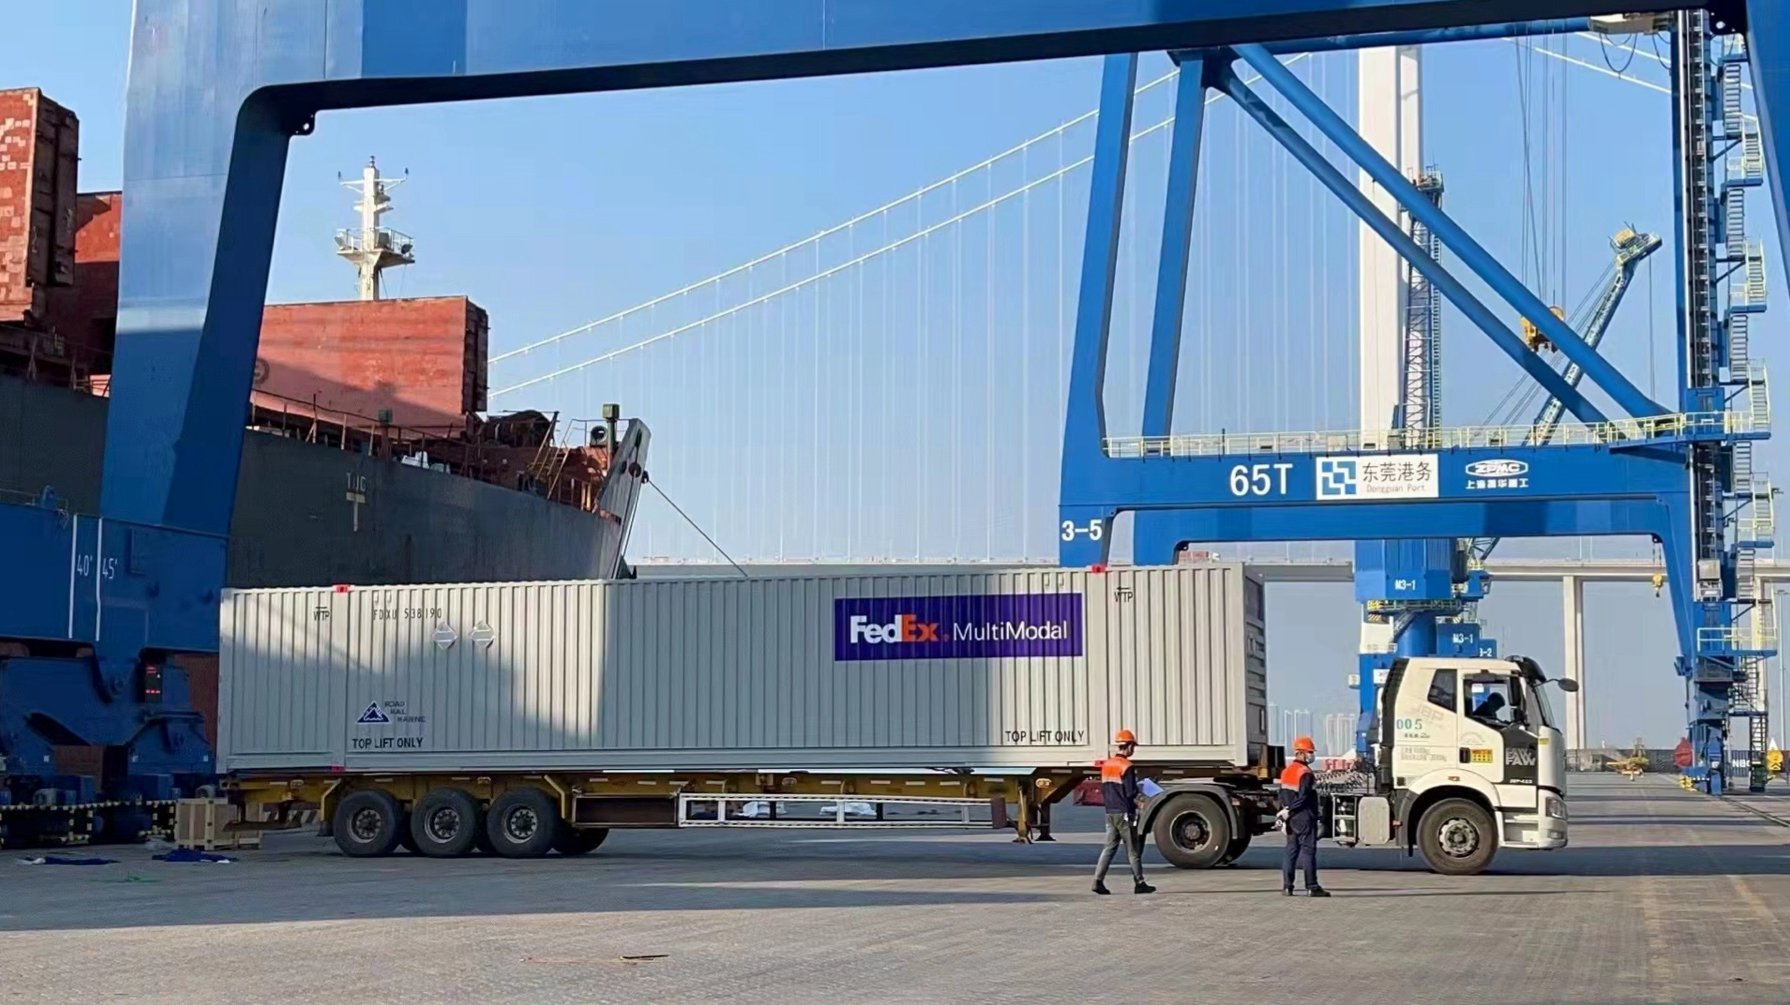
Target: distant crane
{"x": 1631, "y": 249}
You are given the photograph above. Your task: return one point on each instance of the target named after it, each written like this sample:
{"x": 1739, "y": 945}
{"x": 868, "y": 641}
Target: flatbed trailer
{"x": 1205, "y": 816}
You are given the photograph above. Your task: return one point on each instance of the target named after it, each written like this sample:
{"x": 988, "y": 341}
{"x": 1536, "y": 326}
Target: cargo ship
{"x": 370, "y": 458}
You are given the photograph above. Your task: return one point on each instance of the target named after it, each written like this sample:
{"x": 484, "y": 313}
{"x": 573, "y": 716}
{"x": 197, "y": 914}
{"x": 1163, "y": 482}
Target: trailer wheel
{"x": 1192, "y": 832}
{"x": 445, "y": 823}
{"x": 1235, "y": 850}
{"x": 578, "y": 840}
{"x": 522, "y": 823}
{"x": 1458, "y": 837}
{"x": 367, "y": 823}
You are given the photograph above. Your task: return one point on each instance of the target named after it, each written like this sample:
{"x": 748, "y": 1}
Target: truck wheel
{"x": 522, "y": 823}
{"x": 1235, "y": 850}
{"x": 366, "y": 823}
{"x": 1192, "y": 832}
{"x": 1458, "y": 837}
{"x": 445, "y": 823}
{"x": 578, "y": 840}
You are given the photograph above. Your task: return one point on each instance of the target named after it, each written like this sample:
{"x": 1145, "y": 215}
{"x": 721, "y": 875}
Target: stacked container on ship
{"x": 522, "y": 717}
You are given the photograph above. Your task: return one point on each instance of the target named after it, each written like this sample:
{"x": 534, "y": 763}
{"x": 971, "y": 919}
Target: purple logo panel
{"x": 998, "y": 626}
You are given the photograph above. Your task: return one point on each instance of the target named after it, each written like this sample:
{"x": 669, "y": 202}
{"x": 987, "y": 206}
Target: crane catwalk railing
{"x": 1615, "y": 431}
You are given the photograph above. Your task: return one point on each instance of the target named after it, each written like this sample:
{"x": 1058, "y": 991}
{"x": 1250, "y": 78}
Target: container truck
{"x": 521, "y": 718}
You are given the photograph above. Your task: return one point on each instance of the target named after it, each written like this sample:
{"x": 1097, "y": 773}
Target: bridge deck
{"x": 1665, "y": 896}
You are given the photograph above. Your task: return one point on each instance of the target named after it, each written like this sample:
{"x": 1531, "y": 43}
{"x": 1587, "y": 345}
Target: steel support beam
{"x": 1085, "y": 425}
{"x": 1177, "y": 248}
{"x": 1768, "y": 50}
{"x": 1432, "y": 36}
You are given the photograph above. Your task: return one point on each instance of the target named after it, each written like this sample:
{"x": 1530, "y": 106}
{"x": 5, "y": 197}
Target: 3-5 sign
{"x": 1260, "y": 479}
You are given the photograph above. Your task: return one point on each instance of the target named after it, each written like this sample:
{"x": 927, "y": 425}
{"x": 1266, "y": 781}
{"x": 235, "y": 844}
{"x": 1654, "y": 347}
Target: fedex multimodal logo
{"x": 960, "y": 627}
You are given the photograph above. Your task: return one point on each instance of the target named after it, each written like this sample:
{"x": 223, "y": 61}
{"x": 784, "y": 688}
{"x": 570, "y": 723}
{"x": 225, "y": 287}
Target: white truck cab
{"x": 1466, "y": 756}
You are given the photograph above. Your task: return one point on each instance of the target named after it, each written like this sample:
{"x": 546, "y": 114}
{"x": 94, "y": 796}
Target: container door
{"x": 280, "y": 679}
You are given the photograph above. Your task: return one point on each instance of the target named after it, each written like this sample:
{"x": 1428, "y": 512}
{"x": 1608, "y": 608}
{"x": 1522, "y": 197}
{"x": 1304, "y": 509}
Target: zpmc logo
{"x": 905, "y": 628}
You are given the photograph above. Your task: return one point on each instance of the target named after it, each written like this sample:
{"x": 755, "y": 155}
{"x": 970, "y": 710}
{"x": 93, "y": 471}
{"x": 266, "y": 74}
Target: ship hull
{"x": 309, "y": 515}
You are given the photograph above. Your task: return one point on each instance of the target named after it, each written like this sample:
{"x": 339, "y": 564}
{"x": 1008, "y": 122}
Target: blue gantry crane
{"x": 96, "y": 611}
{"x": 1679, "y": 474}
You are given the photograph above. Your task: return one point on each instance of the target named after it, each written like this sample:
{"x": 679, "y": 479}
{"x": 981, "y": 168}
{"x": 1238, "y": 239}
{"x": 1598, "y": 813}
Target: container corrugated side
{"x": 39, "y": 157}
{"x": 744, "y": 674}
{"x": 420, "y": 359}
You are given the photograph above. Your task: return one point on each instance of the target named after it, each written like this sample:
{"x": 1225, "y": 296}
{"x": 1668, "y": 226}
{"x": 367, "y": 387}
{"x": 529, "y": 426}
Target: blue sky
{"x": 551, "y": 212}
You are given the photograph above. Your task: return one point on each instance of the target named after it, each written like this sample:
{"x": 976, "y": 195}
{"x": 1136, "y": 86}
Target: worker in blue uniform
{"x": 1299, "y": 815}
{"x": 1119, "y": 791}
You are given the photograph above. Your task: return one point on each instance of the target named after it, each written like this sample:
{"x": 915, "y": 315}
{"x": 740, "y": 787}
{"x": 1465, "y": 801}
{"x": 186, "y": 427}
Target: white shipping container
{"x": 995, "y": 670}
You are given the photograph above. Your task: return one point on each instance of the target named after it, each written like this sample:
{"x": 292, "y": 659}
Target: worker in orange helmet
{"x": 1119, "y": 791}
{"x": 1299, "y": 815}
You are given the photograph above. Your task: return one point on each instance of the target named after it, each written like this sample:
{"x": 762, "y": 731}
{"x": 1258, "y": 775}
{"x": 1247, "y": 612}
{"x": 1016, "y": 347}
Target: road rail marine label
{"x": 994, "y": 626}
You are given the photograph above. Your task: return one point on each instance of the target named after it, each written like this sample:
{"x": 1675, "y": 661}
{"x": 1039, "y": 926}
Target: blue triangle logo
{"x": 372, "y": 714}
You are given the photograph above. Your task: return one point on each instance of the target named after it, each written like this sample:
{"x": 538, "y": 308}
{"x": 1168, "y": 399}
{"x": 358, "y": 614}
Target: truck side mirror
{"x": 1568, "y": 685}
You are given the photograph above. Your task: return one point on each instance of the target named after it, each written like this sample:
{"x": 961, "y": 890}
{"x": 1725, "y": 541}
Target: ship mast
{"x": 372, "y": 249}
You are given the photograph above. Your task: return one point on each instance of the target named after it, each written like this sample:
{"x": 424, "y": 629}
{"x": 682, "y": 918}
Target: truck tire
{"x": 578, "y": 840}
{"x": 1457, "y": 837}
{"x": 522, "y": 823}
{"x": 1192, "y": 832}
{"x": 445, "y": 823}
{"x": 1237, "y": 847}
{"x": 367, "y": 823}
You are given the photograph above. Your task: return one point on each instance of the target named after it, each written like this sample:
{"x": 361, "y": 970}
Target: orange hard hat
{"x": 1124, "y": 736}
{"x": 1303, "y": 745}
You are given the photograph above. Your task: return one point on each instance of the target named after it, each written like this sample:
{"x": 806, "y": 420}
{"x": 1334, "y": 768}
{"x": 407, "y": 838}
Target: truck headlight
{"x": 1555, "y": 807}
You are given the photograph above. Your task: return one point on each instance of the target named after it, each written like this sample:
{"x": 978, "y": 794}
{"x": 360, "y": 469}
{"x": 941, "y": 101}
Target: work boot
{"x": 1100, "y": 888}
{"x": 1317, "y": 891}
{"x": 1286, "y": 891}
{"x": 1143, "y": 887}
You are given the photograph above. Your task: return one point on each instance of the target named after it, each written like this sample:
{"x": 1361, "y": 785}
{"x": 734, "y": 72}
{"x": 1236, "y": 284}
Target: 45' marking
{"x": 1095, "y": 530}
{"x": 1260, "y": 479}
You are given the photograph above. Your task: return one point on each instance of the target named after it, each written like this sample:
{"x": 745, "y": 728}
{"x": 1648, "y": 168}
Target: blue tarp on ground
{"x": 189, "y": 855}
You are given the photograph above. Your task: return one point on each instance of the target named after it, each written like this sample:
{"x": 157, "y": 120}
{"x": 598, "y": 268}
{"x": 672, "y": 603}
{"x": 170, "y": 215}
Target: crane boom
{"x": 1631, "y": 249}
